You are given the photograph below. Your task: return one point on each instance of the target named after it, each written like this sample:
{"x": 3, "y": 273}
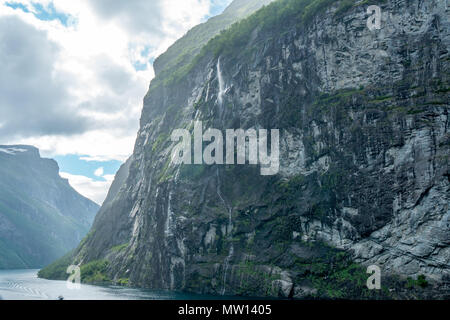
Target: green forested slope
{"x": 41, "y": 216}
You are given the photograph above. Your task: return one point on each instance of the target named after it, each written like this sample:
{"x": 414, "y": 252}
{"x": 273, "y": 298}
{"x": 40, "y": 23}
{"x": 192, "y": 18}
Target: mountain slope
{"x": 185, "y": 49}
{"x": 41, "y": 216}
{"x": 364, "y": 166}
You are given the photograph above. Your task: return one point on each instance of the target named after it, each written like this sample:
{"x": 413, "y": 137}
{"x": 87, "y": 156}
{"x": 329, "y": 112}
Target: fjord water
{"x": 25, "y": 285}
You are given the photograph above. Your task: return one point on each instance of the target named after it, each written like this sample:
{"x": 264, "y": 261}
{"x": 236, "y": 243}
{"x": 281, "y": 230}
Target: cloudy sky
{"x": 74, "y": 73}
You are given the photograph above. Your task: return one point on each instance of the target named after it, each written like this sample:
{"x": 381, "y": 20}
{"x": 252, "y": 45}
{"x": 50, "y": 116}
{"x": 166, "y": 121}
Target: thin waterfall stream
{"x": 229, "y": 230}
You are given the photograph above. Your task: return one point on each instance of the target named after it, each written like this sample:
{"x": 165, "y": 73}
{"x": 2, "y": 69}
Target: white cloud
{"x": 73, "y": 89}
{"x": 94, "y": 190}
{"x": 43, "y": 109}
{"x": 99, "y": 172}
{"x": 99, "y": 145}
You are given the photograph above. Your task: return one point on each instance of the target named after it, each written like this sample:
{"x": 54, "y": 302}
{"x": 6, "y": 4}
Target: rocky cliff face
{"x": 364, "y": 169}
{"x": 41, "y": 216}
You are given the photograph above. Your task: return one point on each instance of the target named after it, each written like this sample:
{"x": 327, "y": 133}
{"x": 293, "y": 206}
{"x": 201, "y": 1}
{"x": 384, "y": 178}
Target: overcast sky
{"x": 74, "y": 74}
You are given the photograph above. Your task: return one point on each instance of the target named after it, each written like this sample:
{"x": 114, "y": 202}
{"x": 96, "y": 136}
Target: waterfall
{"x": 222, "y": 89}
{"x": 226, "y": 266}
{"x": 174, "y": 260}
{"x": 167, "y": 229}
{"x": 229, "y": 229}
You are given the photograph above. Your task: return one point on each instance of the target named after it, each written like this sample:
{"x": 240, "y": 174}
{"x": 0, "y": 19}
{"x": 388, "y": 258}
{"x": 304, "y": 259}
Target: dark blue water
{"x": 25, "y": 285}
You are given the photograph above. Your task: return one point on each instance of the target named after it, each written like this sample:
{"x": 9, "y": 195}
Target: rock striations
{"x": 364, "y": 160}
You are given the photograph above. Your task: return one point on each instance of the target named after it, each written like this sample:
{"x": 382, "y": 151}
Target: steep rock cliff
{"x": 364, "y": 147}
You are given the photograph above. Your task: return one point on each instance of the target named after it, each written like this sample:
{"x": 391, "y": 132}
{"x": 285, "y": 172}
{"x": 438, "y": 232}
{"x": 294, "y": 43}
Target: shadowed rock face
{"x": 41, "y": 216}
{"x": 363, "y": 118}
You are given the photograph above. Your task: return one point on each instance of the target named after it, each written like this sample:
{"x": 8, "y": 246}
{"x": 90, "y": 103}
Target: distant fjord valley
{"x": 41, "y": 216}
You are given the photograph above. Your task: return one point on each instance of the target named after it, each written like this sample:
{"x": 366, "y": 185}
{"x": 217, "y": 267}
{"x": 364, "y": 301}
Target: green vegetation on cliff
{"x": 95, "y": 272}
{"x": 57, "y": 270}
{"x": 181, "y": 54}
{"x": 272, "y": 19}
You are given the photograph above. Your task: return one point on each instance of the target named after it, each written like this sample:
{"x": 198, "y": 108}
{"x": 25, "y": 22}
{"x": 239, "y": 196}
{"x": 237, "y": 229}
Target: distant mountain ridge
{"x": 184, "y": 50}
{"x": 41, "y": 216}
